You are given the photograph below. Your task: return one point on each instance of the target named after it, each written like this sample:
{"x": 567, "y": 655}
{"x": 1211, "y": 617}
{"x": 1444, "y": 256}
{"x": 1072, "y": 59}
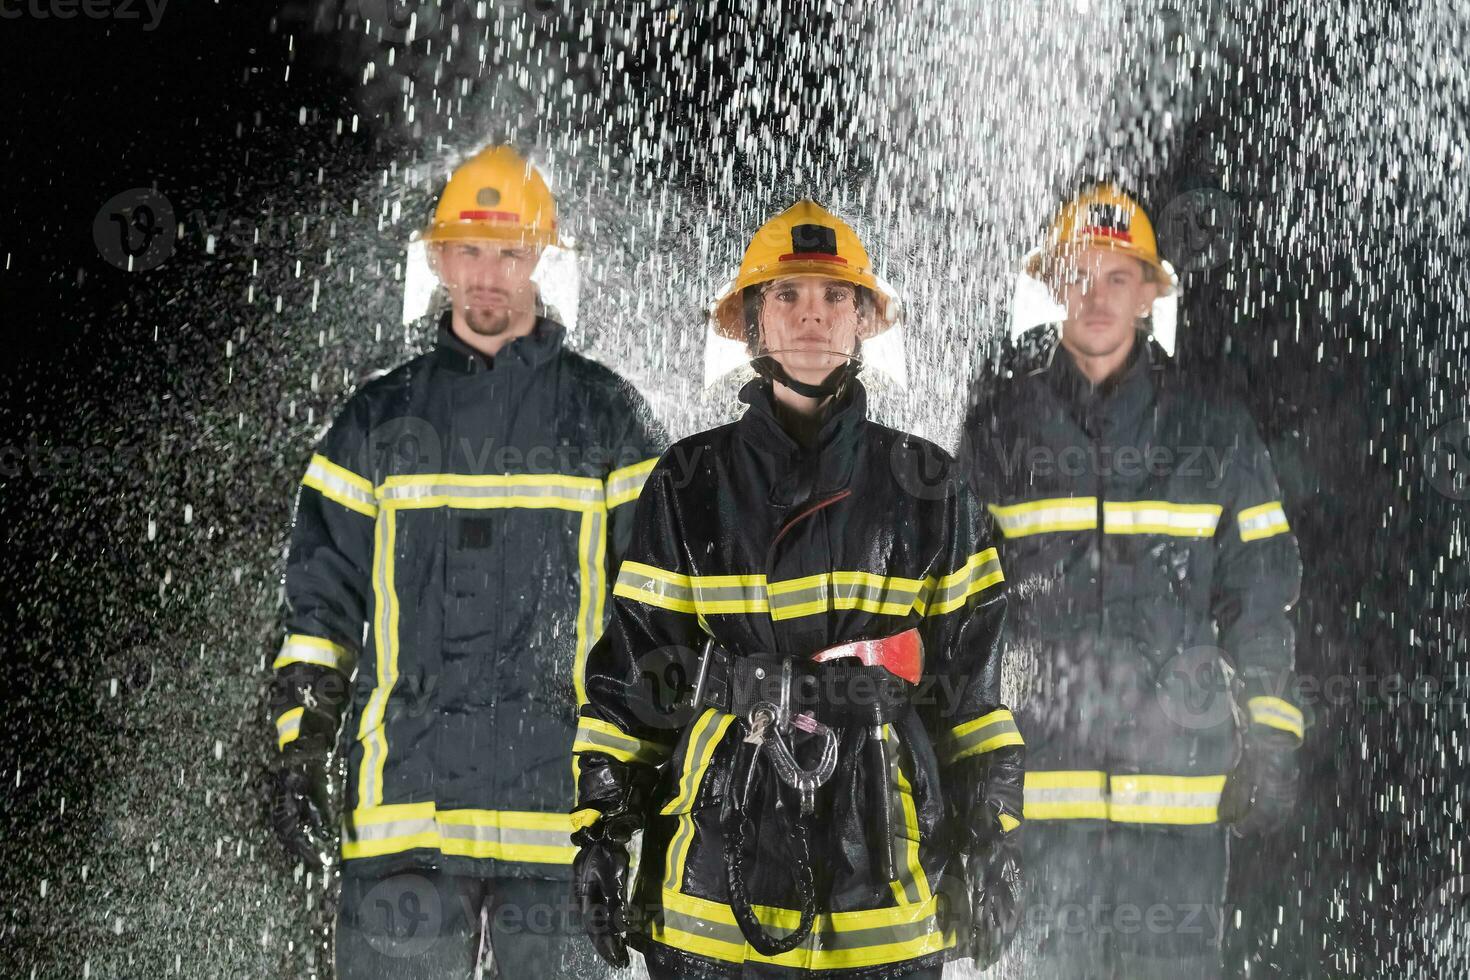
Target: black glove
{"x": 599, "y": 876}
{"x": 1261, "y": 792}
{"x": 301, "y": 811}
{"x": 991, "y": 831}
{"x": 600, "y": 870}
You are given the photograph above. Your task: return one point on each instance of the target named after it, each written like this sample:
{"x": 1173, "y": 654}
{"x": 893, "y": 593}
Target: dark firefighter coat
{"x": 468, "y": 511}
{"x": 743, "y": 535}
{"x": 1152, "y": 569}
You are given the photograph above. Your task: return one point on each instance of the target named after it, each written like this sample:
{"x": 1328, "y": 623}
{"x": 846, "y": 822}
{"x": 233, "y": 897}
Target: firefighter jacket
{"x": 1147, "y": 544}
{"x": 769, "y": 547}
{"x": 467, "y": 512}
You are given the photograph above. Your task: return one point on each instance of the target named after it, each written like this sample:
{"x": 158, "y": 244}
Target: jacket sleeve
{"x": 625, "y": 727}
{"x": 638, "y": 443}
{"x": 328, "y": 585}
{"x": 975, "y": 735}
{"x": 1257, "y": 581}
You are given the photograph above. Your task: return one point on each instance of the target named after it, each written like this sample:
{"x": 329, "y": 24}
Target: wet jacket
{"x": 1152, "y": 569}
{"x": 743, "y": 535}
{"x": 451, "y": 555}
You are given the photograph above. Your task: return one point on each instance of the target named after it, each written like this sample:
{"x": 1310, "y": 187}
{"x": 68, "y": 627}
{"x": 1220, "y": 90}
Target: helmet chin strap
{"x": 836, "y": 380}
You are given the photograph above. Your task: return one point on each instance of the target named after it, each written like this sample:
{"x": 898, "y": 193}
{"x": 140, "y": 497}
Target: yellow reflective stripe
{"x": 1262, "y": 521}
{"x": 1008, "y": 823}
{"x": 596, "y": 735}
{"x": 507, "y": 835}
{"x": 1122, "y": 798}
{"x": 340, "y": 485}
{"x": 591, "y": 605}
{"x": 891, "y": 595}
{"x": 1043, "y": 516}
{"x": 288, "y": 727}
{"x": 584, "y": 818}
{"x": 624, "y": 485}
{"x": 371, "y": 730}
{"x": 705, "y": 594}
{"x": 300, "y": 648}
{"x": 486, "y": 491}
{"x": 984, "y": 734}
{"x": 709, "y": 729}
{"x": 1160, "y": 517}
{"x": 1065, "y": 795}
{"x": 912, "y": 885}
{"x": 1165, "y": 799}
{"x": 839, "y": 940}
{"x": 1276, "y": 713}
{"x": 980, "y": 572}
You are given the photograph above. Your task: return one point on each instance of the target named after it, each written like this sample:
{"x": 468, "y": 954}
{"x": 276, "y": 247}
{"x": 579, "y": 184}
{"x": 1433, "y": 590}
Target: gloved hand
{"x": 301, "y": 811}
{"x": 617, "y": 795}
{"x": 599, "y": 877}
{"x": 993, "y": 858}
{"x": 1261, "y": 792}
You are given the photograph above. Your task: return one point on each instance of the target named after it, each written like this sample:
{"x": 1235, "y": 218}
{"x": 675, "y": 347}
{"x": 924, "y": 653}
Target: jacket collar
{"x": 541, "y": 345}
{"x": 1127, "y": 391}
{"x": 822, "y": 469}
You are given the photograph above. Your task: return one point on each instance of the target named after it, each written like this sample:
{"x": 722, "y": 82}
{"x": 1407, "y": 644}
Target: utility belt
{"x": 869, "y": 683}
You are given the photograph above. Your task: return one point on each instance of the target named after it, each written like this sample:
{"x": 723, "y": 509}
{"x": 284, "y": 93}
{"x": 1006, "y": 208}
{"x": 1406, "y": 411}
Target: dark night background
{"x": 123, "y": 366}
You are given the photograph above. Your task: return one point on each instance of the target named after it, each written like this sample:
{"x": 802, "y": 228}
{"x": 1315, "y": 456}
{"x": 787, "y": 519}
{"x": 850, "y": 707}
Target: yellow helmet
{"x": 1105, "y": 217}
{"x": 495, "y": 195}
{"x": 804, "y": 240}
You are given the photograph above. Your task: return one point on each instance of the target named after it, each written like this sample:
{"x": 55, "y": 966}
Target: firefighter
{"x": 837, "y": 787}
{"x": 1141, "y": 520}
{"x": 468, "y": 508}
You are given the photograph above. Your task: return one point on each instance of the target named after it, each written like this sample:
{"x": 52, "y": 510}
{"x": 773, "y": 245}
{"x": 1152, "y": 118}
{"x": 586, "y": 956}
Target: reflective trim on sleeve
{"x": 1160, "y": 517}
{"x": 980, "y": 572}
{"x": 340, "y": 485}
{"x": 1080, "y": 794}
{"x": 1276, "y": 713}
{"x": 979, "y": 735}
{"x": 506, "y": 835}
{"x": 624, "y": 485}
{"x": 1008, "y": 823}
{"x": 1262, "y": 521}
{"x": 302, "y": 649}
{"x": 596, "y": 735}
{"x": 288, "y": 727}
{"x": 1042, "y": 516}
{"x": 839, "y": 940}
{"x": 1165, "y": 799}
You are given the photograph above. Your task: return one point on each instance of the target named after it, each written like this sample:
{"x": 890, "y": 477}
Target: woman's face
{"x": 809, "y": 325}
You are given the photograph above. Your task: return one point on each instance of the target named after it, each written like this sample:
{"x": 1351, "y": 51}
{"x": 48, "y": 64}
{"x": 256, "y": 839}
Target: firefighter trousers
{"x": 1110, "y": 901}
{"x": 429, "y": 925}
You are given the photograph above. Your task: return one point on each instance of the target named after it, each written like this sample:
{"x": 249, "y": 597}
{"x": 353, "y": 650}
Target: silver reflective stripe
{"x": 969, "y": 742}
{"x": 498, "y": 834}
{"x": 958, "y": 590}
{"x": 311, "y": 650}
{"x": 631, "y": 579}
{"x": 397, "y": 828}
{"x": 288, "y": 726}
{"x": 1160, "y": 517}
{"x": 1269, "y": 711}
{"x": 1040, "y": 516}
{"x": 1065, "y": 794}
{"x": 1164, "y": 798}
{"x": 546, "y": 491}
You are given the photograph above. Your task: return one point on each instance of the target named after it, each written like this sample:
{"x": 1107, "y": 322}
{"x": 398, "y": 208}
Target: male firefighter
{"x": 845, "y": 764}
{"x": 1142, "y": 522}
{"x": 468, "y": 508}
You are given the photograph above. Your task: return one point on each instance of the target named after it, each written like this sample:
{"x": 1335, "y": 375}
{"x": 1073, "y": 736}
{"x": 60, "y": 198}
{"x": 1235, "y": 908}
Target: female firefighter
{"x": 841, "y": 787}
